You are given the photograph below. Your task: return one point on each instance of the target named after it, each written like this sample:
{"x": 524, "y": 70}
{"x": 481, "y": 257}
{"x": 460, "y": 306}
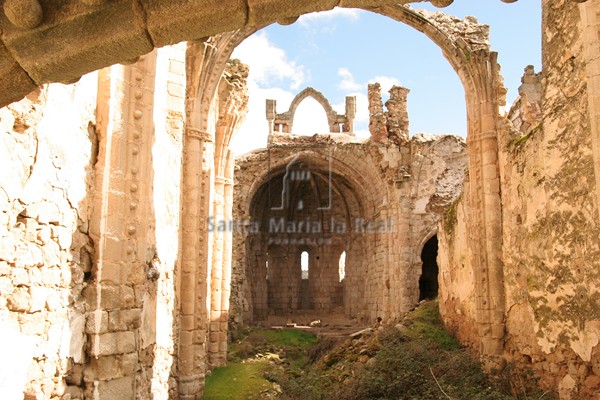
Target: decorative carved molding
{"x": 200, "y": 135}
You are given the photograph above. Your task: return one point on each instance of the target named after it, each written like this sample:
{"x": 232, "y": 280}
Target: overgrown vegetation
{"x": 253, "y": 359}
{"x": 518, "y": 141}
{"x": 450, "y": 217}
{"x": 416, "y": 360}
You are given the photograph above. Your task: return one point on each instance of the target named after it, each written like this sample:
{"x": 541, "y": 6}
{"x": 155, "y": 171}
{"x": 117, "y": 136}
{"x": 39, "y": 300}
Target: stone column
{"x": 121, "y": 225}
{"x": 377, "y": 119}
{"x": 271, "y": 109}
{"x": 486, "y": 232}
{"x": 227, "y": 259}
{"x": 196, "y": 199}
{"x": 590, "y": 18}
{"x": 216, "y": 285}
{"x": 350, "y": 115}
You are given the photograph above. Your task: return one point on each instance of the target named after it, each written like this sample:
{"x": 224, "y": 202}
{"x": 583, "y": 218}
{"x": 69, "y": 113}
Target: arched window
{"x": 310, "y": 118}
{"x": 304, "y": 264}
{"x": 342, "y": 266}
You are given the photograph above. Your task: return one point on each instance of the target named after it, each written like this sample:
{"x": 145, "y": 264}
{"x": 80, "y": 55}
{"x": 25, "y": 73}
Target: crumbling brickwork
{"x": 47, "y": 153}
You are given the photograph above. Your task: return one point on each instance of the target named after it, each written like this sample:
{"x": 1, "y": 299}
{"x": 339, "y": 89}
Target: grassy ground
{"x": 256, "y": 356}
{"x": 416, "y": 360}
{"x": 237, "y": 381}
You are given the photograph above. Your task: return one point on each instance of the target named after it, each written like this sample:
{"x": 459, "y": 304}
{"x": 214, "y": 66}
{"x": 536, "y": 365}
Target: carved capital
{"x": 198, "y": 134}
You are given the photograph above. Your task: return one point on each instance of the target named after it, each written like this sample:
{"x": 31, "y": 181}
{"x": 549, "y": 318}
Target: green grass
{"x": 241, "y": 381}
{"x": 288, "y": 337}
{"x": 416, "y": 361}
{"x": 245, "y": 378}
{"x": 426, "y": 325}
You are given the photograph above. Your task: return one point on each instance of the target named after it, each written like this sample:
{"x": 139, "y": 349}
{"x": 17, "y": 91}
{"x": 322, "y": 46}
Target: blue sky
{"x": 339, "y": 52}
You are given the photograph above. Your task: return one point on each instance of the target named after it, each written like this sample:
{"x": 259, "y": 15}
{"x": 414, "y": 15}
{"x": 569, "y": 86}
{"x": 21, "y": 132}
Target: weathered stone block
{"x": 124, "y": 320}
{"x": 172, "y": 21}
{"x": 19, "y": 299}
{"x": 75, "y": 376}
{"x": 39, "y": 295}
{"x": 111, "y": 367}
{"x": 96, "y": 322}
{"x": 16, "y": 83}
{"x": 263, "y": 12}
{"x": 75, "y": 40}
{"x": 73, "y": 393}
{"x": 116, "y": 389}
{"x": 112, "y": 297}
{"x": 112, "y": 343}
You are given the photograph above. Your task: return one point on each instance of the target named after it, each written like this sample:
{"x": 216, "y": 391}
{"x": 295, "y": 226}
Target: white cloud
{"x": 386, "y": 83}
{"x": 268, "y": 63}
{"x": 270, "y": 68}
{"x": 348, "y": 83}
{"x": 327, "y": 16}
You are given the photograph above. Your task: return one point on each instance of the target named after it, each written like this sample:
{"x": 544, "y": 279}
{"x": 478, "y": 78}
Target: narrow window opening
{"x": 267, "y": 269}
{"x": 342, "y": 266}
{"x": 305, "y": 302}
{"x": 304, "y": 264}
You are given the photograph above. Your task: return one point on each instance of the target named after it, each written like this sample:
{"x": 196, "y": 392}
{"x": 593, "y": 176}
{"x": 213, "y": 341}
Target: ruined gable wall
{"x": 550, "y": 226}
{"x": 419, "y": 181}
{"x": 48, "y": 148}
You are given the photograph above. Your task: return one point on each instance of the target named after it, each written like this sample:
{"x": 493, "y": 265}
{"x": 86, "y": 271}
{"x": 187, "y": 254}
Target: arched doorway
{"x": 428, "y": 283}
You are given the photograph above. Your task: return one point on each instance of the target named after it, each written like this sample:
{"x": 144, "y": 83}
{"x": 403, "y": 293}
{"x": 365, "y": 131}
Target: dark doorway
{"x": 428, "y": 283}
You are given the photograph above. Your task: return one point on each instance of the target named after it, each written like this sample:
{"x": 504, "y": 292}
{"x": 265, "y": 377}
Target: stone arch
{"x": 355, "y": 189}
{"x": 321, "y": 99}
{"x": 359, "y": 174}
{"x": 45, "y": 43}
{"x": 469, "y": 54}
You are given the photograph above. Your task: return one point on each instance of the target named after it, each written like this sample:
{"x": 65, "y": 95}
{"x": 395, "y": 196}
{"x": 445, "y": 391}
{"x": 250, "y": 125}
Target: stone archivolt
{"x": 111, "y": 284}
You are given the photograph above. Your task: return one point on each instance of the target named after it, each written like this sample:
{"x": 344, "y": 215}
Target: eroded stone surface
{"x": 104, "y": 294}
{"x": 48, "y": 149}
{"x": 331, "y": 194}
{"x": 549, "y": 221}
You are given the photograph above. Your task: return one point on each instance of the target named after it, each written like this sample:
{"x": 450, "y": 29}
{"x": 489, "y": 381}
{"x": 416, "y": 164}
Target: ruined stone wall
{"x": 48, "y": 148}
{"x": 550, "y": 224}
{"x": 394, "y": 196}
{"x": 132, "y": 313}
